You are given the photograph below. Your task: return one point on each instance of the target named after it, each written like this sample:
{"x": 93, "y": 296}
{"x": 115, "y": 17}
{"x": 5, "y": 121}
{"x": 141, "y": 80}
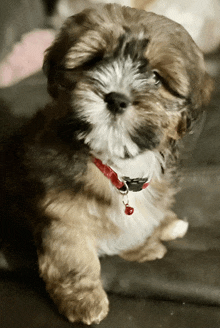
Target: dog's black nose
{"x": 116, "y": 102}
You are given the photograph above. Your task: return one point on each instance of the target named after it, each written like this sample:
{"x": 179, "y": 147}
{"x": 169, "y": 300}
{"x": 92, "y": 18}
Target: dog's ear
{"x": 188, "y": 118}
{"x": 58, "y": 77}
{"x": 199, "y": 100}
{"x": 207, "y": 89}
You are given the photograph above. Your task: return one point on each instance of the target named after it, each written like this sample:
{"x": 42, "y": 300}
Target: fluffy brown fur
{"x": 51, "y": 184}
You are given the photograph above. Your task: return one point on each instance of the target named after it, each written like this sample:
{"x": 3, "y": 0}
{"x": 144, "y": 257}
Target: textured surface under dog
{"x": 172, "y": 95}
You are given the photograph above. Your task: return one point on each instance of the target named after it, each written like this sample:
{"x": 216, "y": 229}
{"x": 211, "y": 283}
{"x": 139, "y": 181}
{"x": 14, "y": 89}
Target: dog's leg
{"x": 70, "y": 267}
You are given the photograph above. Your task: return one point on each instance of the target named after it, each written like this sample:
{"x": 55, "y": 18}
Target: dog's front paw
{"x": 176, "y": 229}
{"x": 156, "y": 252}
{"x": 90, "y": 307}
{"x": 150, "y": 251}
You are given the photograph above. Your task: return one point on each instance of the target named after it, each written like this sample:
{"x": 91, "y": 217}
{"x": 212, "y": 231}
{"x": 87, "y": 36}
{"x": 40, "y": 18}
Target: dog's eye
{"x": 154, "y": 78}
{"x": 157, "y": 78}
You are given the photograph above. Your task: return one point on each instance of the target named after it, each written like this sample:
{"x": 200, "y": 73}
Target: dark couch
{"x": 180, "y": 291}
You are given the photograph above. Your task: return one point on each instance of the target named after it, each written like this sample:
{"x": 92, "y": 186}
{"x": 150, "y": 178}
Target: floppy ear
{"x": 189, "y": 117}
{"x": 178, "y": 125}
{"x": 200, "y": 100}
{"x": 58, "y": 78}
{"x": 53, "y": 63}
{"x": 208, "y": 86}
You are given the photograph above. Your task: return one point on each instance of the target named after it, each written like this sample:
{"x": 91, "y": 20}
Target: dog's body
{"x": 125, "y": 85}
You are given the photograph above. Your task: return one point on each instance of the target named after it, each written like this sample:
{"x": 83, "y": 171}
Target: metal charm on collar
{"x": 128, "y": 209}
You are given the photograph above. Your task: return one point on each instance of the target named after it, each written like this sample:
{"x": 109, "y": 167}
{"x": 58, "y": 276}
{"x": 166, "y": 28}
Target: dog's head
{"x": 132, "y": 79}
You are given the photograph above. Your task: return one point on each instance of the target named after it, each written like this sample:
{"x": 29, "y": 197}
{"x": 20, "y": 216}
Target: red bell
{"x": 129, "y": 210}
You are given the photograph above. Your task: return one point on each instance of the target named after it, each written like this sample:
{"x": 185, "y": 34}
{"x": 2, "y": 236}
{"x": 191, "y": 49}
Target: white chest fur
{"x": 136, "y": 228}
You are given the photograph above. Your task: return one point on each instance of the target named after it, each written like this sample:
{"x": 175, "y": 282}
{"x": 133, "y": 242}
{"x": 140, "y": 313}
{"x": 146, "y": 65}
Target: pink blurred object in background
{"x": 26, "y": 57}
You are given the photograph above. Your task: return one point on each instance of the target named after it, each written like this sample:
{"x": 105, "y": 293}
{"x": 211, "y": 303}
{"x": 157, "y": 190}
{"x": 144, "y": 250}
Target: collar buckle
{"x": 135, "y": 184}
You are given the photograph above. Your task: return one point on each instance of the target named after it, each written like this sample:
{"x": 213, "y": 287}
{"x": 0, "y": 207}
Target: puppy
{"x": 93, "y": 173}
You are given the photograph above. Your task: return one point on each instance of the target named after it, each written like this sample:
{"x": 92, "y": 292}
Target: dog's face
{"x": 132, "y": 80}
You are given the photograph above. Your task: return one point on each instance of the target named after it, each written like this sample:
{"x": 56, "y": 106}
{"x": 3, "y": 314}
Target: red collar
{"x": 123, "y": 186}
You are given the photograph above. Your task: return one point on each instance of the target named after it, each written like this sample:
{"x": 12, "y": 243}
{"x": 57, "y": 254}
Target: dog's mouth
{"x": 116, "y": 130}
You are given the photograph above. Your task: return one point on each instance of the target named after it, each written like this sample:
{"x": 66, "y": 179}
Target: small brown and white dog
{"x": 93, "y": 173}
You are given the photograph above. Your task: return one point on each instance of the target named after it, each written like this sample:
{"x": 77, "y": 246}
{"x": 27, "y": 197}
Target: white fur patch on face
{"x": 109, "y": 133}
{"x": 120, "y": 76}
{"x": 111, "y": 141}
